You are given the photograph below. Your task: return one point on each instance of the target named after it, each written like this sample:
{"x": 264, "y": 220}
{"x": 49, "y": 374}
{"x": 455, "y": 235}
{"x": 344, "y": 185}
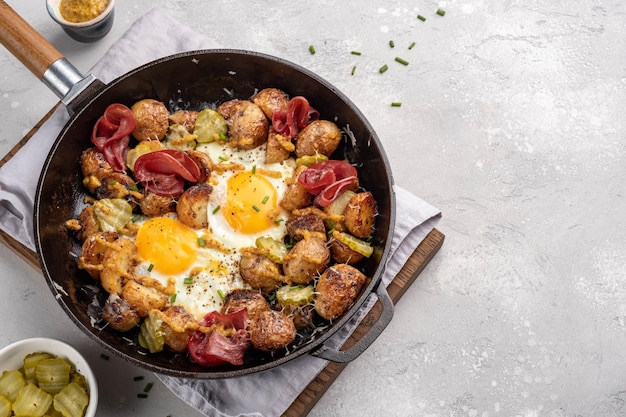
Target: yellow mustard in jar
{"x": 77, "y": 11}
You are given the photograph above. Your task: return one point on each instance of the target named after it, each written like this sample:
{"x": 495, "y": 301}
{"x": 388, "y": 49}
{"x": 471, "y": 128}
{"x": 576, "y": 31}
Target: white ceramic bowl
{"x": 12, "y": 356}
{"x": 89, "y": 31}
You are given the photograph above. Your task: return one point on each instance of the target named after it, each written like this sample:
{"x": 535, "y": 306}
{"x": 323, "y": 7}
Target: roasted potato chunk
{"x": 259, "y": 272}
{"x": 337, "y": 289}
{"x": 305, "y": 260}
{"x": 271, "y": 330}
{"x": 119, "y": 258}
{"x": 185, "y": 118}
{"x": 119, "y": 314}
{"x": 116, "y": 185}
{"x": 296, "y": 196}
{"x": 193, "y": 206}
{"x": 93, "y": 250}
{"x": 151, "y": 120}
{"x": 252, "y": 300}
{"x": 342, "y": 253}
{"x": 204, "y": 163}
{"x": 94, "y": 168}
{"x": 320, "y": 136}
{"x": 143, "y": 298}
{"x": 270, "y": 100}
{"x": 300, "y": 226}
{"x": 88, "y": 223}
{"x": 175, "y": 333}
{"x": 156, "y": 205}
{"x": 278, "y": 147}
{"x": 360, "y": 214}
{"x": 247, "y": 125}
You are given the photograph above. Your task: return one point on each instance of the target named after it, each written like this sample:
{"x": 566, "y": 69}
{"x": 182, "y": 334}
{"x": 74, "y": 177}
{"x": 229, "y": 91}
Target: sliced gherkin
{"x": 151, "y": 333}
{"x": 112, "y": 214}
{"x": 297, "y": 295}
{"x": 309, "y": 160}
{"x": 276, "y": 249}
{"x": 30, "y": 362}
{"x": 210, "y": 126}
{"x": 31, "y": 401}
{"x": 5, "y": 406}
{"x": 53, "y": 374}
{"x": 71, "y": 401}
{"x": 354, "y": 243}
{"x": 10, "y": 384}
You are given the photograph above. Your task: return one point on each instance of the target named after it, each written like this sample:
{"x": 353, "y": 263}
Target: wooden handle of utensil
{"x": 25, "y": 43}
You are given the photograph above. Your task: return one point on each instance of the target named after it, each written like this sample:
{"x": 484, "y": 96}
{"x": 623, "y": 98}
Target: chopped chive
{"x": 331, "y": 223}
{"x": 411, "y": 45}
{"x": 104, "y": 356}
{"x": 391, "y": 44}
{"x": 383, "y": 68}
{"x": 142, "y": 395}
{"x": 223, "y": 158}
{"x": 201, "y": 242}
{"x": 188, "y": 281}
{"x": 441, "y": 12}
{"x": 150, "y": 267}
{"x": 396, "y": 104}
{"x": 256, "y": 208}
{"x": 148, "y": 387}
{"x": 369, "y": 238}
{"x": 420, "y": 17}
{"x": 279, "y": 220}
{"x": 355, "y": 53}
{"x": 254, "y": 169}
{"x": 173, "y": 298}
{"x": 267, "y": 197}
{"x": 402, "y": 61}
{"x": 222, "y": 137}
{"x": 312, "y": 49}
{"x": 353, "y": 70}
{"x": 138, "y": 378}
{"x": 221, "y": 294}
{"x": 272, "y": 296}
{"x": 135, "y": 218}
{"x": 216, "y": 209}
{"x": 112, "y": 182}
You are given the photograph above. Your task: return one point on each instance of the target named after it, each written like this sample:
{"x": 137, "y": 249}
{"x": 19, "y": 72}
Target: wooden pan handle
{"x": 25, "y": 43}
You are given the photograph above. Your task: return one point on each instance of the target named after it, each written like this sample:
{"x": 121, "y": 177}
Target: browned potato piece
{"x": 175, "y": 335}
{"x": 301, "y": 225}
{"x": 204, "y": 163}
{"x": 156, "y": 205}
{"x": 88, "y": 223}
{"x": 259, "y": 272}
{"x": 305, "y": 260}
{"x": 115, "y": 185}
{"x": 94, "y": 167}
{"x": 119, "y": 258}
{"x": 320, "y": 136}
{"x": 270, "y": 99}
{"x": 341, "y": 253}
{"x": 337, "y": 288}
{"x": 151, "y": 119}
{"x": 296, "y": 196}
{"x": 93, "y": 251}
{"x": 185, "y": 118}
{"x": 360, "y": 213}
{"x": 193, "y": 206}
{"x": 119, "y": 314}
{"x": 278, "y": 148}
{"x": 247, "y": 125}
{"x": 143, "y": 298}
{"x": 271, "y": 330}
{"x": 302, "y": 316}
{"x": 252, "y": 300}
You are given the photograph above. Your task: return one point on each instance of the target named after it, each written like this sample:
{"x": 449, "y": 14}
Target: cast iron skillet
{"x": 187, "y": 80}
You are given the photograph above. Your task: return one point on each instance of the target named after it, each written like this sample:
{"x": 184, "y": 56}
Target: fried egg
{"x": 204, "y": 264}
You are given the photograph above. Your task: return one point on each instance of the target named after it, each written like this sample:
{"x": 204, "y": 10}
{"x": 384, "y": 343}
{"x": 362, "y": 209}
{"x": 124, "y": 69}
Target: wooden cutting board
{"x": 305, "y": 402}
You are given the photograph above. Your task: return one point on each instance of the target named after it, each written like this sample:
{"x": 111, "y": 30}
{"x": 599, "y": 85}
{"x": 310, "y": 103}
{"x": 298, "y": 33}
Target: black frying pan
{"x": 193, "y": 79}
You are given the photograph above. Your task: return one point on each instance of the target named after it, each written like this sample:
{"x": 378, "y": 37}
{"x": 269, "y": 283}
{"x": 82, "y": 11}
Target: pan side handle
{"x": 364, "y": 342}
{"x": 25, "y": 43}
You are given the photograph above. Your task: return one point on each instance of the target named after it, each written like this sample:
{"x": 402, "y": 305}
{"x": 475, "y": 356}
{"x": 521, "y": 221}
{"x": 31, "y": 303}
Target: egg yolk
{"x": 170, "y": 246}
{"x": 250, "y": 203}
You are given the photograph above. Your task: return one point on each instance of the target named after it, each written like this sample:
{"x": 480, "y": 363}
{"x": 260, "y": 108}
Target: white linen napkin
{"x": 415, "y": 218}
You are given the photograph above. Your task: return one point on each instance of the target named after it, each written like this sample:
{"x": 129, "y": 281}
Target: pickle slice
{"x": 276, "y": 250}
{"x": 112, "y": 214}
{"x": 31, "y": 401}
{"x": 53, "y": 374}
{"x": 210, "y": 126}
{"x": 30, "y": 362}
{"x": 10, "y": 384}
{"x": 297, "y": 295}
{"x": 71, "y": 401}
{"x": 151, "y": 333}
{"x": 5, "y": 406}
{"x": 356, "y": 244}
